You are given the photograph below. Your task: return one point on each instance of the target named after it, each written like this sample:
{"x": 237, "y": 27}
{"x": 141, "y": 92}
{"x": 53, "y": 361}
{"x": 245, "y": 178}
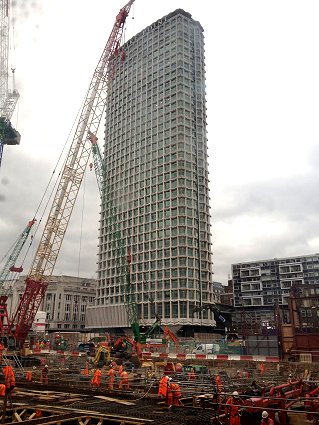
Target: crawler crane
{"x": 68, "y": 186}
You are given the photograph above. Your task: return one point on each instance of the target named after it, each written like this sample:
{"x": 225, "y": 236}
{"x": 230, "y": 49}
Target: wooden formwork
{"x": 30, "y": 416}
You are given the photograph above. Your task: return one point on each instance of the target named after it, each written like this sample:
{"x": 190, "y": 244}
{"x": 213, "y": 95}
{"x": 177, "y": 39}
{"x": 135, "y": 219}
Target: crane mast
{"x": 68, "y": 186}
{"x": 8, "y": 98}
{"x": 123, "y": 261}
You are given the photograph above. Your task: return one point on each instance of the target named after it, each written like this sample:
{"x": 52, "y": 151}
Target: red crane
{"x": 69, "y": 185}
{"x": 9, "y": 266}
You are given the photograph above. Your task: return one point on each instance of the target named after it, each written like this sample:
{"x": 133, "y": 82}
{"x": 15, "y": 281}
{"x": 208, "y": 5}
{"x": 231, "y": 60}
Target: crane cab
{"x": 8, "y": 134}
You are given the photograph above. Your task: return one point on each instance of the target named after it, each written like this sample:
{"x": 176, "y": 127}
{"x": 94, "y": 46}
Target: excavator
{"x": 212, "y": 307}
{"x": 102, "y": 356}
{"x": 168, "y": 334}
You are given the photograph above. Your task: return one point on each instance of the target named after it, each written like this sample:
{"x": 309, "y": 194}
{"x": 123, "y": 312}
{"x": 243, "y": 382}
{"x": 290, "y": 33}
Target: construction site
{"x": 181, "y": 359}
{"x": 68, "y": 388}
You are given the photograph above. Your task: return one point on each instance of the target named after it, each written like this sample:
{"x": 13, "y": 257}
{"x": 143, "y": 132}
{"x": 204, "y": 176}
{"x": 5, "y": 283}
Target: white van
{"x": 206, "y": 349}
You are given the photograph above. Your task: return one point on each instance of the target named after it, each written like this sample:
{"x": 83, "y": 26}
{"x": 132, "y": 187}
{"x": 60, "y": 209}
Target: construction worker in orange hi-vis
{"x": 232, "y": 408}
{"x": 44, "y": 375}
{"x": 121, "y": 368}
{"x": 86, "y": 369}
{"x": 9, "y": 378}
{"x": 2, "y": 390}
{"x": 124, "y": 381}
{"x": 111, "y": 375}
{"x": 169, "y": 397}
{"x": 38, "y": 413}
{"x": 96, "y": 380}
{"x": 163, "y": 387}
{"x": 28, "y": 376}
{"x": 191, "y": 375}
{"x": 219, "y": 383}
{"x": 175, "y": 389}
{"x": 262, "y": 368}
{"x": 265, "y": 419}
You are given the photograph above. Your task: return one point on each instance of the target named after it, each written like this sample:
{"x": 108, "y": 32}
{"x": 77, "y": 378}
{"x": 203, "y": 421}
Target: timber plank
{"x": 115, "y": 400}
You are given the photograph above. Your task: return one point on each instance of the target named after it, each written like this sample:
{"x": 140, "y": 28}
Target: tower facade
{"x": 157, "y": 180}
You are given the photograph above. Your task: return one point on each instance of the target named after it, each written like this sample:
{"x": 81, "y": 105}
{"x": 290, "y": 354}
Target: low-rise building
{"x": 65, "y": 301}
{"x": 258, "y": 286}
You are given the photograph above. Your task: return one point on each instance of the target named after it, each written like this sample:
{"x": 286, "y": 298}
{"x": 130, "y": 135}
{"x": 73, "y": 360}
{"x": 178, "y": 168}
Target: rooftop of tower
{"x": 160, "y": 21}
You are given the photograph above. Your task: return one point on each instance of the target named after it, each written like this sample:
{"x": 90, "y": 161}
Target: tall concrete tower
{"x": 156, "y": 158}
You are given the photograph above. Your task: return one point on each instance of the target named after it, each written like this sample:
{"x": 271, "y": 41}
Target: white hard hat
{"x": 170, "y": 379}
{"x": 46, "y": 365}
{"x": 264, "y": 414}
{"x": 235, "y": 394}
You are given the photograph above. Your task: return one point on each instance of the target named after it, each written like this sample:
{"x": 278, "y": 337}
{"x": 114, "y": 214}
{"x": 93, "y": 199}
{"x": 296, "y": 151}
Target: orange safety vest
{"x": 233, "y": 410}
{"x": 219, "y": 383}
{"x": 86, "y": 370}
{"x": 163, "y": 386}
{"x": 28, "y": 376}
{"x": 96, "y": 380}
{"x": 124, "y": 380}
{"x": 9, "y": 378}
{"x": 191, "y": 375}
{"x": 111, "y": 374}
{"x": 2, "y": 390}
{"x": 38, "y": 413}
{"x": 176, "y": 394}
{"x": 169, "y": 398}
{"x": 267, "y": 421}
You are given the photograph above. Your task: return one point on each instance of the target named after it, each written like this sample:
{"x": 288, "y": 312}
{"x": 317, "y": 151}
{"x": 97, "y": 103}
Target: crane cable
{"x": 53, "y": 189}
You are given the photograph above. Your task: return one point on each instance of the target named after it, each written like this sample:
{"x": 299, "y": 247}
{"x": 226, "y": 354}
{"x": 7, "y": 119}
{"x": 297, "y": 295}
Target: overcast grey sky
{"x": 262, "y": 104}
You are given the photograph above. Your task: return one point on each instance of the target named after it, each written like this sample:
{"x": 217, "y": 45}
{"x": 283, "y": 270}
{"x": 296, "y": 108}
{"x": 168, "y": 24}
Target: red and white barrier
{"x": 182, "y": 356}
{"x": 177, "y": 356}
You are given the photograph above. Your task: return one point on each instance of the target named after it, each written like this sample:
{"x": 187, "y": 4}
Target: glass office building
{"x": 157, "y": 179}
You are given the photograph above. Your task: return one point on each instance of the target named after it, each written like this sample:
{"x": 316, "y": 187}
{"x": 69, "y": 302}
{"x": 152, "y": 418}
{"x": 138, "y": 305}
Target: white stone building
{"x": 65, "y": 301}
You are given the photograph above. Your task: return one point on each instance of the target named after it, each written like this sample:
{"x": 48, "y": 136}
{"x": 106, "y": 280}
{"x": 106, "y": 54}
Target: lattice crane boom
{"x": 14, "y": 254}
{"x": 9, "y": 266}
{"x": 69, "y": 185}
{"x": 8, "y": 98}
{"x": 122, "y": 260}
